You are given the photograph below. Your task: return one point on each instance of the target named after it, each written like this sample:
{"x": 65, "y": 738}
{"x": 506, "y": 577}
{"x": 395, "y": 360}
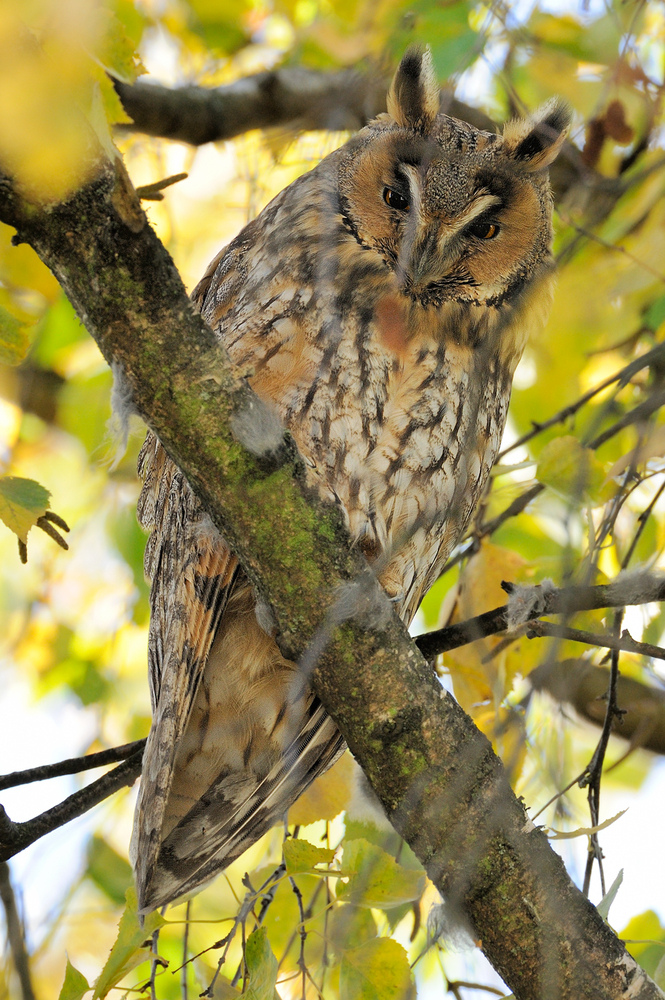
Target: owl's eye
{"x": 394, "y": 199}
{"x": 484, "y": 230}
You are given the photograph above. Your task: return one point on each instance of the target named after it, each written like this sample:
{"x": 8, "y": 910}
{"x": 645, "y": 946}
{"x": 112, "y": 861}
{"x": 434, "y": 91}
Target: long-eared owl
{"x": 381, "y": 303}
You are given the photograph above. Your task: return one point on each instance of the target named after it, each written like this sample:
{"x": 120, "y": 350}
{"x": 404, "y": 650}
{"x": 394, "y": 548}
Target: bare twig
{"x": 537, "y": 629}
{"x": 73, "y": 765}
{"x": 631, "y": 590}
{"x": 593, "y": 774}
{"x": 656, "y": 354}
{"x": 15, "y": 934}
{"x": 15, "y": 837}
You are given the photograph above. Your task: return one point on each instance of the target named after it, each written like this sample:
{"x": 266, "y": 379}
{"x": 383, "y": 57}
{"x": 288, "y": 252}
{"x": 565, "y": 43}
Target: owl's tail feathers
{"x": 237, "y": 810}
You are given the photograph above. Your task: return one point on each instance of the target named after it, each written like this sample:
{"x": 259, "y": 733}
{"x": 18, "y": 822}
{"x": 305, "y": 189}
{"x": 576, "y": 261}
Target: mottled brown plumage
{"x": 382, "y": 302}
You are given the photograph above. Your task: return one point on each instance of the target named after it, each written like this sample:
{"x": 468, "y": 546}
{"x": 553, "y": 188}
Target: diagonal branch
{"x": 15, "y": 837}
{"x": 441, "y": 785}
{"x": 73, "y": 765}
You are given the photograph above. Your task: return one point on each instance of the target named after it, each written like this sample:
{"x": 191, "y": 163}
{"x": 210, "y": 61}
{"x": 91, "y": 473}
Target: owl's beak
{"x": 427, "y": 259}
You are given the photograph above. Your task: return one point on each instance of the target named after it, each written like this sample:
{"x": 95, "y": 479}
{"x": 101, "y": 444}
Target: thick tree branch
{"x": 291, "y": 97}
{"x": 435, "y": 773}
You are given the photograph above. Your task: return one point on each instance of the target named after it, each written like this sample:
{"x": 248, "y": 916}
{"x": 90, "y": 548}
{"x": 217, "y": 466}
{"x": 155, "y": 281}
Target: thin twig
{"x": 73, "y": 765}
{"x": 637, "y": 414}
{"x": 642, "y": 523}
{"x": 15, "y": 934}
{"x": 185, "y": 944}
{"x": 464, "y": 985}
{"x": 593, "y": 774}
{"x": 622, "y": 377}
{"x": 15, "y": 837}
{"x": 566, "y": 600}
{"x": 302, "y": 932}
{"x": 537, "y": 629}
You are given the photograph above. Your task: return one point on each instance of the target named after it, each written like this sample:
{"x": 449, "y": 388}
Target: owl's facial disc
{"x": 435, "y": 245}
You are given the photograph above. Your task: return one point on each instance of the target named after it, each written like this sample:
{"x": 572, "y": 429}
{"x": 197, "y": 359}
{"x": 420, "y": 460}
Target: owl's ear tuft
{"x": 413, "y": 99}
{"x": 536, "y": 141}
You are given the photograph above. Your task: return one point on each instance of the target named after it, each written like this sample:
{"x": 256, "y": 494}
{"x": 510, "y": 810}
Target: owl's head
{"x": 456, "y": 213}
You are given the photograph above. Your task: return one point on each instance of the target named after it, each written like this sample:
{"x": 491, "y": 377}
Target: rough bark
{"x": 435, "y": 773}
{"x": 290, "y": 97}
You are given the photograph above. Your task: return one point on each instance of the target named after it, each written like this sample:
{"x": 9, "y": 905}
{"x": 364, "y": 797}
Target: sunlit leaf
{"x": 75, "y": 984}
{"x": 645, "y": 940}
{"x": 261, "y": 966}
{"x": 22, "y": 503}
{"x": 132, "y": 946}
{"x": 609, "y": 897}
{"x": 377, "y": 970}
{"x": 376, "y": 879}
{"x": 300, "y": 856}
{"x": 14, "y": 338}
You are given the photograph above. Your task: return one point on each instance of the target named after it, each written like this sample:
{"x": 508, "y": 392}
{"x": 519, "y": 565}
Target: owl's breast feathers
{"x": 397, "y": 407}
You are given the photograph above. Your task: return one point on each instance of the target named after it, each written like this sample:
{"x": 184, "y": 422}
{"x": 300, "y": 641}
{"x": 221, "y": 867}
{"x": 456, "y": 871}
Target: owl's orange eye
{"x": 394, "y": 199}
{"x": 484, "y": 230}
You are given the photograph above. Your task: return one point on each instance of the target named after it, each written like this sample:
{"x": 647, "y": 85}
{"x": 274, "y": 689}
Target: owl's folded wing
{"x": 192, "y": 574}
{"x": 235, "y": 737}
{"x": 240, "y": 807}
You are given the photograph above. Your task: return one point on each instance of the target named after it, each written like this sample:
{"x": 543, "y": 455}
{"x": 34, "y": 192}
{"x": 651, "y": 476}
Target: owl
{"x": 380, "y": 303}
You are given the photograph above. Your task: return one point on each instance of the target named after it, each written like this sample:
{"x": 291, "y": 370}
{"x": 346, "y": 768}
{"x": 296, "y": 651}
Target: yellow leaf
{"x": 377, "y": 970}
{"x": 301, "y": 856}
{"x": 14, "y": 338}
{"x": 376, "y": 879}
{"x": 22, "y": 503}
{"x": 75, "y": 984}
{"x": 327, "y": 796}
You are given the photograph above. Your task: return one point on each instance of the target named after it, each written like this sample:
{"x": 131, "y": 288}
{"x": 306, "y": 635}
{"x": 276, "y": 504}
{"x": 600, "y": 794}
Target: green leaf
{"x": 108, "y": 870}
{"x": 655, "y": 314}
{"x": 22, "y": 503}
{"x": 75, "y": 984}
{"x": 350, "y": 926}
{"x": 301, "y": 856}
{"x": 261, "y": 965}
{"x": 377, "y": 970}
{"x": 132, "y": 946}
{"x": 573, "y": 471}
{"x": 645, "y": 936}
{"x": 14, "y": 338}
{"x": 376, "y": 879}
{"x": 609, "y": 897}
